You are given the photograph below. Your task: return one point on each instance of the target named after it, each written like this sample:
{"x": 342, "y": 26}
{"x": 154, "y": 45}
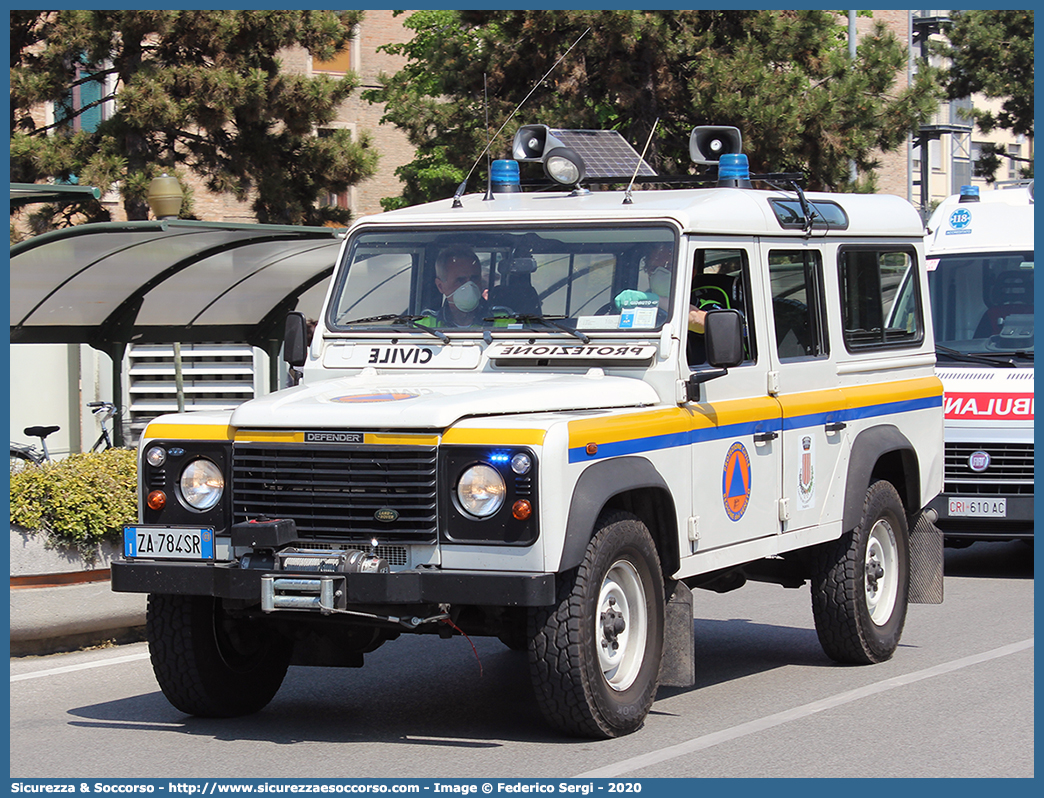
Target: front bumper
{"x": 416, "y": 586}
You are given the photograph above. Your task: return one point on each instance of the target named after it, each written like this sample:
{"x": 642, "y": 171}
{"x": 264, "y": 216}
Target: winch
{"x": 324, "y": 593}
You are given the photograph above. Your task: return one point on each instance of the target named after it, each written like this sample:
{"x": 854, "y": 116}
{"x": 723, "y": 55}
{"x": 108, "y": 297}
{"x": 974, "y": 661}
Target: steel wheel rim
{"x": 621, "y": 625}
{"x": 881, "y": 572}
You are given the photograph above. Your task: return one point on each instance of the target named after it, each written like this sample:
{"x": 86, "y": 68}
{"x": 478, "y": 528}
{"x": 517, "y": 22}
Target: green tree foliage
{"x": 783, "y": 77}
{"x": 991, "y": 53}
{"x": 80, "y": 501}
{"x": 199, "y": 92}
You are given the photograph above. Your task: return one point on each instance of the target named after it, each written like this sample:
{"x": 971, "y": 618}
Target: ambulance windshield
{"x": 982, "y": 303}
{"x": 581, "y": 279}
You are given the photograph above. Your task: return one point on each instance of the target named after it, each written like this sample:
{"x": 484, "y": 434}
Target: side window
{"x": 720, "y": 280}
{"x": 880, "y": 301}
{"x": 797, "y": 303}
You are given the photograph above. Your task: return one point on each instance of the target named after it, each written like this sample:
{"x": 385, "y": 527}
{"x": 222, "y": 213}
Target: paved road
{"x": 955, "y": 701}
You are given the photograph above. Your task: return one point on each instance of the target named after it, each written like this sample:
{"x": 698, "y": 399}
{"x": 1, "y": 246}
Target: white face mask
{"x": 660, "y": 281}
{"x": 466, "y": 298}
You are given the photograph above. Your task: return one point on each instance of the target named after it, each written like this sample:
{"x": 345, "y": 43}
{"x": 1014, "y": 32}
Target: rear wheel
{"x": 860, "y": 582}
{"x": 20, "y": 459}
{"x": 210, "y": 664}
{"x": 595, "y": 656}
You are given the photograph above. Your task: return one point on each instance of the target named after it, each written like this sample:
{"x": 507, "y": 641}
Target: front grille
{"x": 1010, "y": 470}
{"x": 334, "y": 492}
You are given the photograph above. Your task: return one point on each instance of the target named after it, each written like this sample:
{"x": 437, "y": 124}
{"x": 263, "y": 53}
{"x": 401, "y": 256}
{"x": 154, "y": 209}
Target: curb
{"x": 60, "y": 604}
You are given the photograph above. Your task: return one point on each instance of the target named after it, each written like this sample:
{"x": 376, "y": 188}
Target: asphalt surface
{"x": 955, "y": 701}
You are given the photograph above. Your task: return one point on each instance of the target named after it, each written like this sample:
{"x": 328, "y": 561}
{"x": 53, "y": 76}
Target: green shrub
{"x": 80, "y": 501}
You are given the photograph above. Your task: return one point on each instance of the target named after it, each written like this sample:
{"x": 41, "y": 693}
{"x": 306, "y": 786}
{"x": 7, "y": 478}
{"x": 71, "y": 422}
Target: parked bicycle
{"x": 103, "y": 411}
{"x": 24, "y": 454}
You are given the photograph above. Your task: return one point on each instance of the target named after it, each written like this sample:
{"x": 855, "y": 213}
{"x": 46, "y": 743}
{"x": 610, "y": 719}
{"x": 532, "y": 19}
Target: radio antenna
{"x": 463, "y": 186}
{"x": 627, "y": 194}
{"x": 489, "y": 168}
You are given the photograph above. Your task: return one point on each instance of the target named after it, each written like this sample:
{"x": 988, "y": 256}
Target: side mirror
{"x": 295, "y": 339}
{"x": 724, "y": 338}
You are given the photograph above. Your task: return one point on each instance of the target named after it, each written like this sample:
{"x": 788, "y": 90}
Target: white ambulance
{"x": 980, "y": 275}
{"x": 547, "y": 416}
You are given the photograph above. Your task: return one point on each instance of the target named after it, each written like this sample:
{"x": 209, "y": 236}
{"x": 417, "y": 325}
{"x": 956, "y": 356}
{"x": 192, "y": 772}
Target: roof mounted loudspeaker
{"x": 532, "y": 141}
{"x": 707, "y": 143}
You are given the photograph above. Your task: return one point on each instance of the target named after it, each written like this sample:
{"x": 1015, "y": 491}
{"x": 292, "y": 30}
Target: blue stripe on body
{"x": 660, "y": 442}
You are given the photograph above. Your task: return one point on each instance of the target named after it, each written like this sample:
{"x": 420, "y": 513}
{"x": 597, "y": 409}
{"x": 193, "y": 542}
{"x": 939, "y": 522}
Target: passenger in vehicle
{"x": 658, "y": 265}
{"x": 458, "y": 276}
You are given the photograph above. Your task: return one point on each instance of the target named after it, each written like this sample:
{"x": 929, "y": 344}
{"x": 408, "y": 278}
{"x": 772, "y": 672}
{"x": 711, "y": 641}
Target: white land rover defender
{"x": 546, "y": 417}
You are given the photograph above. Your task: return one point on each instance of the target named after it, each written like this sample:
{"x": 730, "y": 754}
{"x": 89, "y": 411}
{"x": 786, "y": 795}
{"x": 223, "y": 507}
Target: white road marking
{"x": 101, "y": 663}
{"x": 752, "y": 727}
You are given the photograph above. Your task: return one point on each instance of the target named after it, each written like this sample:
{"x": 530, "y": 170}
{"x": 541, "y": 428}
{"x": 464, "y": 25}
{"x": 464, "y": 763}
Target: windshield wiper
{"x": 977, "y": 357}
{"x": 402, "y": 318}
{"x": 550, "y": 322}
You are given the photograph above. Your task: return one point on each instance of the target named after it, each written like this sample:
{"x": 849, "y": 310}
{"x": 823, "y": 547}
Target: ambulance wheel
{"x": 210, "y": 664}
{"x": 860, "y": 583}
{"x": 595, "y": 656}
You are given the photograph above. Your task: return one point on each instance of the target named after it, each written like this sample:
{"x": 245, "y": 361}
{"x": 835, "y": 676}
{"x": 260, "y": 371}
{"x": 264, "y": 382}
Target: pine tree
{"x": 200, "y": 92}
{"x": 991, "y": 53}
{"x": 783, "y": 77}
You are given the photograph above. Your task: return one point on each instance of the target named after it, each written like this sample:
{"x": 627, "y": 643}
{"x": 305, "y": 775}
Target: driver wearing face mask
{"x": 658, "y": 266}
{"x": 458, "y": 276}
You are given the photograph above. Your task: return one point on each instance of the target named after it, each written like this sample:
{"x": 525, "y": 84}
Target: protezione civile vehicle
{"x": 563, "y": 472}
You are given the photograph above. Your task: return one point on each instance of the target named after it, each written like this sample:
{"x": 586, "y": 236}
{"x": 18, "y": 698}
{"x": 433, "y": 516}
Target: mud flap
{"x": 678, "y": 666}
{"x": 926, "y": 559}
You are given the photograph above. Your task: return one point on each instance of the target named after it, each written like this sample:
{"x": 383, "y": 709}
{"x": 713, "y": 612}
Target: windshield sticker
{"x": 566, "y": 352}
{"x": 385, "y": 356}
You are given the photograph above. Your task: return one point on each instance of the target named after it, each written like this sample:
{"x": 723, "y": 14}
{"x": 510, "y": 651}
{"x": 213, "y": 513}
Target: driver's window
{"x": 719, "y": 282}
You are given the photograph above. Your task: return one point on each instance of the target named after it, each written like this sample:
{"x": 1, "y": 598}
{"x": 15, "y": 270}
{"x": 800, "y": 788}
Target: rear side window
{"x": 797, "y": 304}
{"x": 880, "y": 298}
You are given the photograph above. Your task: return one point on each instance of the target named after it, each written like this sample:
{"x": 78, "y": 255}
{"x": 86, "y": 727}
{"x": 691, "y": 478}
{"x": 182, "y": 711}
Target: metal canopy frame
{"x": 165, "y": 281}
{"x": 29, "y": 193}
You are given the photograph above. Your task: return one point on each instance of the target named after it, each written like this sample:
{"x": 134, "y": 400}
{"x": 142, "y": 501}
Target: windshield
{"x": 982, "y": 303}
{"x": 559, "y": 280}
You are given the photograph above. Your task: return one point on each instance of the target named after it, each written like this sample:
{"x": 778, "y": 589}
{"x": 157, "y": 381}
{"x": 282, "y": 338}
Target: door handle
{"x": 835, "y": 426}
{"x": 765, "y": 437}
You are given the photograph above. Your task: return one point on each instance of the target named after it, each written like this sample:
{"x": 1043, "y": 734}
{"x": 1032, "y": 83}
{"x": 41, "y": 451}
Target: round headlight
{"x": 156, "y": 456}
{"x": 481, "y": 490}
{"x": 202, "y": 484}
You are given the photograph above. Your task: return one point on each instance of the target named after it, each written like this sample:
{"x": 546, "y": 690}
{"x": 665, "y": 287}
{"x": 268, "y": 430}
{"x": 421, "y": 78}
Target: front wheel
{"x": 209, "y": 663}
{"x": 860, "y": 582}
{"x": 595, "y": 656}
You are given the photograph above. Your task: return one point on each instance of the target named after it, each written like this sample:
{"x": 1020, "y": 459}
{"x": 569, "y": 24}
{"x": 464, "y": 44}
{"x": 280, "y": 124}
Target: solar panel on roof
{"x": 605, "y": 152}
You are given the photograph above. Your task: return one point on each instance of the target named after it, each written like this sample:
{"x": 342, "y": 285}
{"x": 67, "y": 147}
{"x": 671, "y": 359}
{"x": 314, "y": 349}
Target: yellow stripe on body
{"x": 190, "y": 432}
{"x": 495, "y": 437}
{"x": 898, "y": 391}
{"x": 670, "y": 421}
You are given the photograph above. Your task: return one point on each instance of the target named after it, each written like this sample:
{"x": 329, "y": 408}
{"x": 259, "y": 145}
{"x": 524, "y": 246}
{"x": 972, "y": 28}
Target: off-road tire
{"x": 861, "y": 580}
{"x": 582, "y": 688}
{"x": 209, "y": 664}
